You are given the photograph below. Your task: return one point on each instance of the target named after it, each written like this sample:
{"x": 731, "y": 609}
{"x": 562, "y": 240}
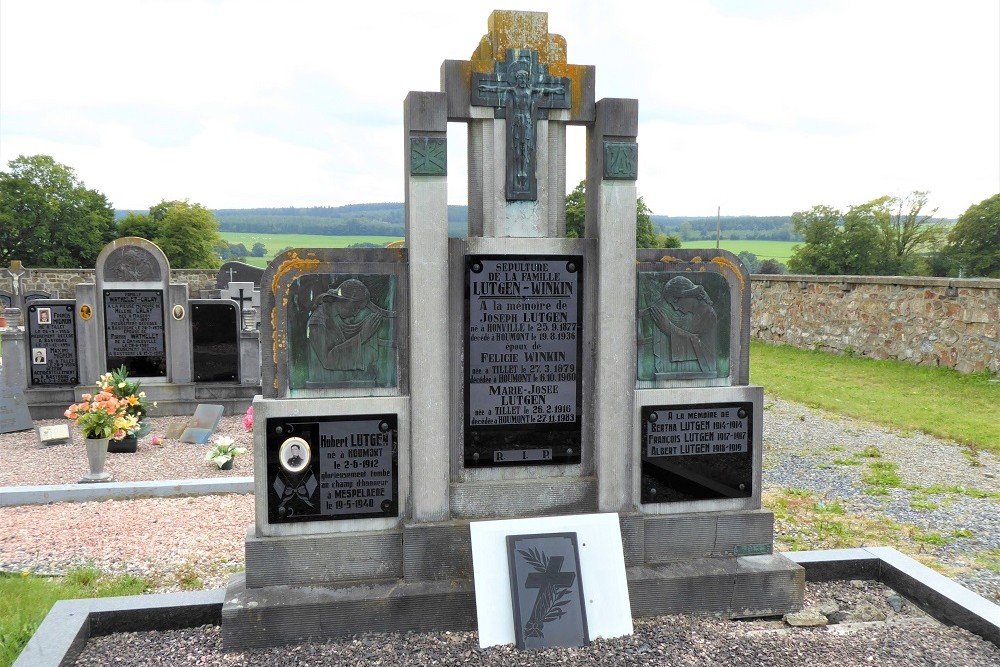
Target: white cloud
{"x": 761, "y": 108}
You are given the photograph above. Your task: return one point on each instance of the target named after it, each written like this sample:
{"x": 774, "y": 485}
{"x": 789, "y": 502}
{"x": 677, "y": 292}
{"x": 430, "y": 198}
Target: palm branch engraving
{"x": 553, "y": 589}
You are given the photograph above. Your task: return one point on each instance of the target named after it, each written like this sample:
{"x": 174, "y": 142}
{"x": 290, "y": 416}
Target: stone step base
{"x": 278, "y": 615}
{"x": 768, "y": 585}
{"x": 172, "y": 400}
{"x": 749, "y": 586}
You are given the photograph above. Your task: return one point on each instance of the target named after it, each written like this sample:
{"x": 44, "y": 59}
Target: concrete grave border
{"x": 13, "y": 496}
{"x": 62, "y": 635}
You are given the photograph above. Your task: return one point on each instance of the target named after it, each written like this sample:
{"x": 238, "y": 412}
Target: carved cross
{"x": 522, "y": 91}
{"x": 548, "y": 583}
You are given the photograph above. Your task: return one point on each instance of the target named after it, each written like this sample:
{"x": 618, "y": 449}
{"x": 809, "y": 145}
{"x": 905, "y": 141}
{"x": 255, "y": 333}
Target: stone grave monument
{"x": 513, "y": 373}
{"x": 184, "y": 351}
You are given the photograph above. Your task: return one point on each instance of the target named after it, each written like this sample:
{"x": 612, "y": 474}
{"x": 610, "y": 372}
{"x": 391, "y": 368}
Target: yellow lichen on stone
{"x": 527, "y": 30}
{"x": 729, "y": 264}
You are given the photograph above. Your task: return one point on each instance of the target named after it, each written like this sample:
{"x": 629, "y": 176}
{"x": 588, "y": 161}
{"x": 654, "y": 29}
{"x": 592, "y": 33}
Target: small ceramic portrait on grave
{"x": 86, "y": 312}
{"x": 680, "y": 332}
{"x": 294, "y": 454}
{"x": 38, "y": 356}
{"x": 44, "y": 316}
{"x": 349, "y": 331}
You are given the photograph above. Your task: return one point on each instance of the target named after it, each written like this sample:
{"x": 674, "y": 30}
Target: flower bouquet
{"x": 101, "y": 416}
{"x": 127, "y": 391}
{"x": 223, "y": 453}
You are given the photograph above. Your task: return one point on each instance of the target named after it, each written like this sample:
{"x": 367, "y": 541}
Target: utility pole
{"x": 718, "y": 225}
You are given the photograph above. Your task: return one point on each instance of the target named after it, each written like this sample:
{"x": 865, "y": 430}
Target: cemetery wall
{"x": 62, "y": 283}
{"x": 929, "y": 321}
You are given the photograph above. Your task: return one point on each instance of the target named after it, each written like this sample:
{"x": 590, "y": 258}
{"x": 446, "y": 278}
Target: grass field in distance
{"x": 779, "y": 250}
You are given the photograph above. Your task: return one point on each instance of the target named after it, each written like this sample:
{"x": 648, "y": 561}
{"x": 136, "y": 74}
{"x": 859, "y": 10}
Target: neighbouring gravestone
{"x": 54, "y": 434}
{"x": 409, "y": 393}
{"x": 51, "y": 331}
{"x": 132, "y": 316}
{"x": 248, "y": 299}
{"x": 238, "y": 272}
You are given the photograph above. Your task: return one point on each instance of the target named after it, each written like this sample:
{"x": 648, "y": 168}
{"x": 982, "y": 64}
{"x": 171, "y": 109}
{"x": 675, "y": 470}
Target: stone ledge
{"x": 912, "y": 281}
{"x": 13, "y": 496}
{"x": 63, "y": 633}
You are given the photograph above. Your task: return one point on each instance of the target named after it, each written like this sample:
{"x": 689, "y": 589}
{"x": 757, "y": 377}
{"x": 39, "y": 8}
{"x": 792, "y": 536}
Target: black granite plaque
{"x": 523, "y": 348}
{"x": 51, "y": 331}
{"x": 332, "y": 468}
{"x": 215, "y": 341}
{"x": 134, "y": 333}
{"x": 697, "y": 452}
{"x": 547, "y": 591}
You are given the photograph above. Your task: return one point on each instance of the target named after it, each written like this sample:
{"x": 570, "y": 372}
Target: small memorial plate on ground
{"x": 546, "y": 591}
{"x": 53, "y": 434}
{"x": 600, "y": 575}
{"x": 202, "y": 425}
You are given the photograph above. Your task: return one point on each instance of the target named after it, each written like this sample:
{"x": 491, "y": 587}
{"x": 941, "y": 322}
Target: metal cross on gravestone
{"x": 246, "y": 296}
{"x": 522, "y": 92}
{"x": 17, "y": 274}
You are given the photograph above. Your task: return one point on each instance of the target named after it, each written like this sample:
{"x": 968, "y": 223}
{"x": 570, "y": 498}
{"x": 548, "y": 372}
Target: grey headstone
{"x": 238, "y": 272}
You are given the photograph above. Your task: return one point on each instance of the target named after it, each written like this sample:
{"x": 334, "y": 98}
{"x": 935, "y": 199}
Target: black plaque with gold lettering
{"x": 51, "y": 329}
{"x": 332, "y": 468}
{"x": 697, "y": 452}
{"x": 134, "y": 331}
{"x": 523, "y": 350}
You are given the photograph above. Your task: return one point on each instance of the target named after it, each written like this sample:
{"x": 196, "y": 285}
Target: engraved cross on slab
{"x": 522, "y": 91}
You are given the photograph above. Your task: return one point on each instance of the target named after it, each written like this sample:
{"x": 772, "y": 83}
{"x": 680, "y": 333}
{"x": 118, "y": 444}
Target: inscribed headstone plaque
{"x": 51, "y": 329}
{"x": 53, "y": 434}
{"x": 215, "y": 341}
{"x": 14, "y": 415}
{"x": 547, "y": 591}
{"x": 342, "y": 331}
{"x": 332, "y": 468}
{"x": 684, "y": 325}
{"x": 697, "y": 452}
{"x": 134, "y": 331}
{"x": 523, "y": 349}
{"x": 202, "y": 424}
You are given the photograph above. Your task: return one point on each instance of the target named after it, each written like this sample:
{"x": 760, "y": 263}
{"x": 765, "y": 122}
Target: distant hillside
{"x": 386, "y": 219}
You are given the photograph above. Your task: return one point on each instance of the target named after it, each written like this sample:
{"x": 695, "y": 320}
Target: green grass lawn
{"x": 275, "y": 242}
{"x": 938, "y": 401}
{"x": 26, "y": 599}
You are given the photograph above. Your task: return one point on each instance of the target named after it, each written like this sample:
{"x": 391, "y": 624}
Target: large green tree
{"x": 49, "y": 218}
{"x": 645, "y": 232}
{"x": 188, "y": 234}
{"x": 885, "y": 236}
{"x": 974, "y": 241}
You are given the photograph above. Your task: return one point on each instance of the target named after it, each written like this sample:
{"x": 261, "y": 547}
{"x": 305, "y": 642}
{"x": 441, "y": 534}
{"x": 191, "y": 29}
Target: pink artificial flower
{"x": 157, "y": 440}
{"x": 248, "y": 419}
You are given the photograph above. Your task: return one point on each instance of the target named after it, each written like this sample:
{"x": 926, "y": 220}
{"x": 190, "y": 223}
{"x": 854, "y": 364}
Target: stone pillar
{"x": 425, "y": 152}
{"x": 611, "y": 210}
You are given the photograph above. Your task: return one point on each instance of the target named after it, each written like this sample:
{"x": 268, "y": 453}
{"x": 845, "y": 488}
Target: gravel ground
{"x": 906, "y": 638}
{"x": 191, "y": 542}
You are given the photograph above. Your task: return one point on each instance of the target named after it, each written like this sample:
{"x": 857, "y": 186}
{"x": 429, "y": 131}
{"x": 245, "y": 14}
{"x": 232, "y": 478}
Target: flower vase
{"x": 97, "y": 453}
{"x": 228, "y": 465}
{"x": 127, "y": 445}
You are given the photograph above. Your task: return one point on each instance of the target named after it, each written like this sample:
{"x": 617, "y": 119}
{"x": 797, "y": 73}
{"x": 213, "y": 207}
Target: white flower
{"x": 223, "y": 441}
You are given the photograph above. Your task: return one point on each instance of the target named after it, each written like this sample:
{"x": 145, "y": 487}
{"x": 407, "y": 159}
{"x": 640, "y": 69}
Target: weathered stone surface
{"x": 864, "y": 613}
{"x": 807, "y": 618}
{"x": 926, "y": 321}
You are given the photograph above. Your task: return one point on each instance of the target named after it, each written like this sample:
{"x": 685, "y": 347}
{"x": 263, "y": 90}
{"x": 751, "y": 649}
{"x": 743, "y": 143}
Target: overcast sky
{"x": 762, "y": 107}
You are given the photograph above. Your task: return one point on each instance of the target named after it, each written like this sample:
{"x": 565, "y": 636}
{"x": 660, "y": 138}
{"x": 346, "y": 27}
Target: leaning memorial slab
{"x": 513, "y": 373}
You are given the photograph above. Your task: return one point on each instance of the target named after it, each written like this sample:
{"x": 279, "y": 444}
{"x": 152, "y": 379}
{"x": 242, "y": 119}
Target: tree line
{"x": 898, "y": 236}
{"x": 48, "y": 217}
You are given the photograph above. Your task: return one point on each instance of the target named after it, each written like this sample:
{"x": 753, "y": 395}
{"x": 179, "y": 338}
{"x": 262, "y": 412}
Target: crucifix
{"x": 17, "y": 274}
{"x": 522, "y": 91}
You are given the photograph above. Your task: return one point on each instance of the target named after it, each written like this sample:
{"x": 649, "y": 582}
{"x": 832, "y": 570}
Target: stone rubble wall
{"x": 927, "y": 321}
{"x": 932, "y": 321}
{"x": 61, "y": 283}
